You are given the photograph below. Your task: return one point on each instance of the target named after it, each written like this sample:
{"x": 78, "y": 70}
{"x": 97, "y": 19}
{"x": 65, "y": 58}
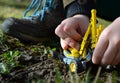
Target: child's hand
{"x": 107, "y": 51}
{"x": 71, "y": 30}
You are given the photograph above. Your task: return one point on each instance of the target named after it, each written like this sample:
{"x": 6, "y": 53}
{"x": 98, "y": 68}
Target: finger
{"x": 100, "y": 50}
{"x": 63, "y": 44}
{"x": 70, "y": 42}
{"x": 73, "y": 33}
{"x": 116, "y": 59}
{"x": 109, "y": 54}
{"x": 64, "y": 31}
{"x": 59, "y": 31}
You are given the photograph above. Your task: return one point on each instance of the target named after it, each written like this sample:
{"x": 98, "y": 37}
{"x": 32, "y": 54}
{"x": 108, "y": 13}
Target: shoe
{"x": 36, "y": 30}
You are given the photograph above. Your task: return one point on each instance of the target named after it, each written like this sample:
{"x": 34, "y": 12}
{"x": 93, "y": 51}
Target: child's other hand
{"x": 107, "y": 51}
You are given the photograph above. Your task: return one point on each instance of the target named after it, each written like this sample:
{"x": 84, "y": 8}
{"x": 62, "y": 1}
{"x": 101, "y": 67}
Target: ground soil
{"x": 39, "y": 67}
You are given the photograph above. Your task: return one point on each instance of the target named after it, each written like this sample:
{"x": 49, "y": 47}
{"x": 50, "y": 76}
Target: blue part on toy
{"x": 88, "y": 56}
{"x": 40, "y": 9}
{"x": 68, "y": 60}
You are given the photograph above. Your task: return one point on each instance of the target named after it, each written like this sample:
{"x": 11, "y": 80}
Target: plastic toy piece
{"x": 77, "y": 59}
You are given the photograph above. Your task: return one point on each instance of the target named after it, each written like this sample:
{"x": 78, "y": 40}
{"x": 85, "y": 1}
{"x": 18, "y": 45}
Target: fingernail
{"x": 65, "y": 47}
{"x": 93, "y": 60}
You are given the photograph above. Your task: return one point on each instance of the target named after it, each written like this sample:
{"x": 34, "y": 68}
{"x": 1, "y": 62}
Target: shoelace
{"x": 40, "y": 8}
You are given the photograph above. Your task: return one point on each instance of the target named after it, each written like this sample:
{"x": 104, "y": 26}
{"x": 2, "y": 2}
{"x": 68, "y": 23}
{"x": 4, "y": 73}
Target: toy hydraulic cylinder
{"x": 94, "y": 30}
{"x": 82, "y": 51}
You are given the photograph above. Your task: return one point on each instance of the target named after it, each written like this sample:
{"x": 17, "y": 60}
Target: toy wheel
{"x": 76, "y": 67}
{"x": 73, "y": 67}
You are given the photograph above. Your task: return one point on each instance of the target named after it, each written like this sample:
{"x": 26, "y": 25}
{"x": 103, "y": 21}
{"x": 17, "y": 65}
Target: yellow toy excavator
{"x": 77, "y": 59}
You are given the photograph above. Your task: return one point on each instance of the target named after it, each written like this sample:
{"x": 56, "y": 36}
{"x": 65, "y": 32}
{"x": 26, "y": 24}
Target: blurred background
{"x": 12, "y": 8}
{"x": 15, "y": 8}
